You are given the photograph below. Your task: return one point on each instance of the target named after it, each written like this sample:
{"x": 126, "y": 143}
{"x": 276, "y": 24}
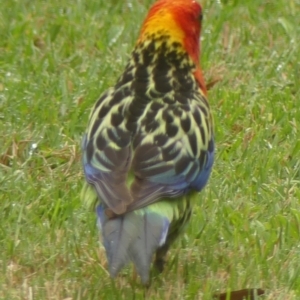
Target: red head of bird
{"x": 181, "y": 21}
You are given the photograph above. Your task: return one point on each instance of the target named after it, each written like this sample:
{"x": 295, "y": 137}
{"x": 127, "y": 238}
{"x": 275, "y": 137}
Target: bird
{"x": 149, "y": 145}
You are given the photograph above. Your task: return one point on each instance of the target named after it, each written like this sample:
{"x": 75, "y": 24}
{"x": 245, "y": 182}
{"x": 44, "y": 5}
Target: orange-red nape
{"x": 181, "y": 21}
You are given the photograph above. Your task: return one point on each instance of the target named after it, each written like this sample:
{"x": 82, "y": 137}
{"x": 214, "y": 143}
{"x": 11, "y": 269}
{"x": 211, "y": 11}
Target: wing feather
{"x": 181, "y": 162}
{"x": 166, "y": 142}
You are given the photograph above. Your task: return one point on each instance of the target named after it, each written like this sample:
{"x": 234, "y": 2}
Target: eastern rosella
{"x": 149, "y": 146}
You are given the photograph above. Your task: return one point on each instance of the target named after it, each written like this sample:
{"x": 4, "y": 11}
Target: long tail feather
{"x": 134, "y": 236}
{"x": 152, "y": 234}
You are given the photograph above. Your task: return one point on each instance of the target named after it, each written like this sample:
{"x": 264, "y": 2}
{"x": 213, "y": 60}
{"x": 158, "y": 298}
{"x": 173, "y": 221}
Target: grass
{"x": 56, "y": 58}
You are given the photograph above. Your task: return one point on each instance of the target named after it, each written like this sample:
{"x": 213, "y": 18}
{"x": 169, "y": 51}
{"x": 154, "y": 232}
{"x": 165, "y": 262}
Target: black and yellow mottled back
{"x": 156, "y": 124}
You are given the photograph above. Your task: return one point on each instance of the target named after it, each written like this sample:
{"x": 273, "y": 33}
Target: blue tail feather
{"x": 134, "y": 236}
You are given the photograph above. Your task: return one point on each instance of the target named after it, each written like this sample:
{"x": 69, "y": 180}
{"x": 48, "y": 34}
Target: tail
{"x": 134, "y": 237}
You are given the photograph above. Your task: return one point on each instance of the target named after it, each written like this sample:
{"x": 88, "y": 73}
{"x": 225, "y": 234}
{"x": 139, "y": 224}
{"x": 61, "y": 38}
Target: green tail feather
{"x": 89, "y": 197}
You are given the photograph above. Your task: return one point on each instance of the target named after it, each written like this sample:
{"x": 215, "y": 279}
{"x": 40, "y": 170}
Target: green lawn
{"x": 56, "y": 58}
